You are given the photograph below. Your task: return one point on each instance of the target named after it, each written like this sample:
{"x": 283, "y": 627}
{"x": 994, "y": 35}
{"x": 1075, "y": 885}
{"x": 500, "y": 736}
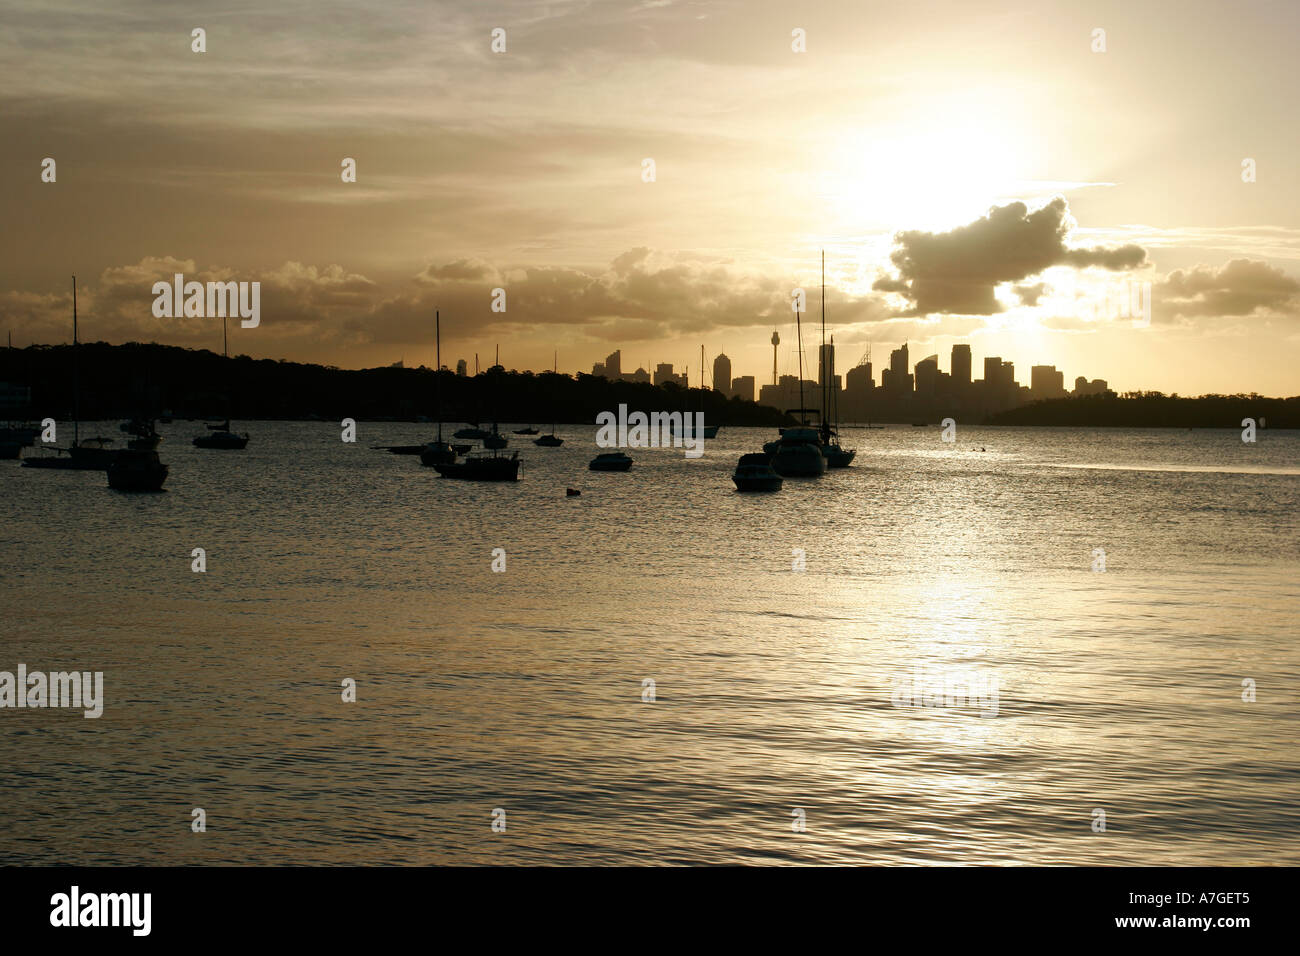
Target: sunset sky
{"x": 900, "y": 142}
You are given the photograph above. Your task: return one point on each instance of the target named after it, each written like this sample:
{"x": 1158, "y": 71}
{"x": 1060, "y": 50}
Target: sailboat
{"x": 437, "y": 452}
{"x": 482, "y": 467}
{"x": 220, "y": 436}
{"x": 836, "y": 455}
{"x": 90, "y": 455}
{"x": 551, "y": 440}
{"x": 137, "y": 469}
{"x": 798, "y": 453}
{"x": 710, "y": 431}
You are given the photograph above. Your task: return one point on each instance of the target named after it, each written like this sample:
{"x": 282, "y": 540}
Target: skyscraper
{"x": 826, "y": 364}
{"x": 614, "y": 365}
{"x": 927, "y": 375}
{"x": 961, "y": 366}
{"x": 722, "y": 374}
{"x": 897, "y": 378}
{"x": 1046, "y": 382}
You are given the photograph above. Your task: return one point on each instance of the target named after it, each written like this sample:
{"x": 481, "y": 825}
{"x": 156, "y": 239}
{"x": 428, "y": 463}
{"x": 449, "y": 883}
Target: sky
{"x": 1000, "y": 174}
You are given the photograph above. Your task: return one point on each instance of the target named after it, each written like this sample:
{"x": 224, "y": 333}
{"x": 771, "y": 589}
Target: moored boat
{"x": 482, "y": 468}
{"x": 221, "y": 437}
{"x": 755, "y": 473}
{"x": 136, "y": 470}
{"x": 90, "y": 454}
{"x": 471, "y": 432}
{"x": 611, "y": 461}
{"x": 797, "y": 454}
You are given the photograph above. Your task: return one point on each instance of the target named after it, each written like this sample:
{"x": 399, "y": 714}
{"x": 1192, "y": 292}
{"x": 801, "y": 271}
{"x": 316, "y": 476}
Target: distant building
{"x": 640, "y": 375}
{"x": 721, "y": 374}
{"x": 398, "y": 364}
{"x": 461, "y": 368}
{"x": 896, "y": 379}
{"x": 1045, "y": 382}
{"x": 961, "y": 366}
{"x": 598, "y": 370}
{"x": 927, "y": 375}
{"x": 614, "y": 365}
{"x": 826, "y": 362}
{"x": 664, "y": 374}
{"x": 742, "y": 387}
{"x": 785, "y": 394}
{"x": 858, "y": 379}
{"x": 1098, "y": 386}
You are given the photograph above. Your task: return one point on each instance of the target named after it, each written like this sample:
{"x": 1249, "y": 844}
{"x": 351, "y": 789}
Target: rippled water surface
{"x": 774, "y": 690}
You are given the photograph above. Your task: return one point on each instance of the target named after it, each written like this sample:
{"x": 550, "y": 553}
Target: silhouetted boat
{"x": 221, "y": 437}
{"x": 495, "y": 440}
{"x": 755, "y": 473}
{"x": 551, "y": 440}
{"x": 797, "y": 453}
{"x": 610, "y": 461}
{"x": 710, "y": 431}
{"x": 476, "y": 433}
{"x": 91, "y": 454}
{"x": 836, "y": 455}
{"x": 439, "y": 452}
{"x": 417, "y": 449}
{"x": 482, "y": 468}
{"x": 530, "y": 430}
{"x": 136, "y": 470}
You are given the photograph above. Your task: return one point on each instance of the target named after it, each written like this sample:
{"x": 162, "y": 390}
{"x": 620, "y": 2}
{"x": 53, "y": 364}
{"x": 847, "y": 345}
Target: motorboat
{"x": 797, "y": 453}
{"x": 755, "y": 473}
{"x": 610, "y": 461}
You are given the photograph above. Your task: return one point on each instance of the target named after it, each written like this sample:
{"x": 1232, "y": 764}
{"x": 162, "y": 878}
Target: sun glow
{"x": 933, "y": 176}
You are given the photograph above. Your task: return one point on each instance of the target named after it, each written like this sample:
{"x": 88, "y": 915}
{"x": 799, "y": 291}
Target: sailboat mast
{"x": 798, "y": 334}
{"x": 822, "y": 365}
{"x": 437, "y": 368}
{"x": 76, "y": 383}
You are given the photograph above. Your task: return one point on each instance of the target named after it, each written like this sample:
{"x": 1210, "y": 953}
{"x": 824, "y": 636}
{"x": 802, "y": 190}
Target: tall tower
{"x": 776, "y": 340}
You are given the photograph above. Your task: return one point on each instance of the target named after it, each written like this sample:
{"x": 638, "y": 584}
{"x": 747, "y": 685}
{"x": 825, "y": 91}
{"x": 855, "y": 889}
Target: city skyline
{"x": 994, "y": 184}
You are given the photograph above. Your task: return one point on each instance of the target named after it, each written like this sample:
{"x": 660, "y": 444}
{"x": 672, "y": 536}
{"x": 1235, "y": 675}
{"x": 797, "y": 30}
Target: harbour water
{"x": 772, "y": 731}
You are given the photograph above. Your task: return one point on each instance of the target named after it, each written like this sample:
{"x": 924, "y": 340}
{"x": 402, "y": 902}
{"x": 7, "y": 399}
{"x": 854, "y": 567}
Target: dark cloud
{"x": 1029, "y": 294}
{"x": 1240, "y": 287}
{"x": 641, "y": 295}
{"x": 958, "y": 271}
